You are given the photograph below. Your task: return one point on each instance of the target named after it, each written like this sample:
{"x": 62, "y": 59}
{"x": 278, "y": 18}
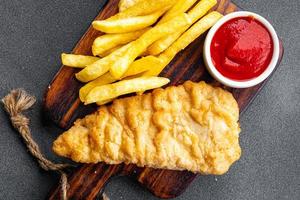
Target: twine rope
{"x": 14, "y": 104}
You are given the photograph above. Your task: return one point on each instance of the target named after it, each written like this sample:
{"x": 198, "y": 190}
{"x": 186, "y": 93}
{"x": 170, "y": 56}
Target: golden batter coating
{"x": 192, "y": 127}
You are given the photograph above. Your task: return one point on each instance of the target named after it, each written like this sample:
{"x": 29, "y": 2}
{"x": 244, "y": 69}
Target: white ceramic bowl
{"x": 240, "y": 83}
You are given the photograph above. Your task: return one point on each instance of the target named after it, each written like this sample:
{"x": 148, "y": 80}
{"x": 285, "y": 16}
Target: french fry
{"x": 106, "y": 42}
{"x": 124, "y": 4}
{"x": 195, "y": 14}
{"x": 106, "y": 53}
{"x": 125, "y": 25}
{"x": 109, "y": 79}
{"x": 180, "y": 6}
{"x": 184, "y": 40}
{"x": 102, "y": 80}
{"x": 137, "y": 67}
{"x": 101, "y": 66}
{"x": 120, "y": 66}
{"x": 162, "y": 44}
{"x": 144, "y": 7}
{"x": 142, "y": 65}
{"x": 77, "y": 61}
{"x": 110, "y": 91}
{"x": 201, "y": 9}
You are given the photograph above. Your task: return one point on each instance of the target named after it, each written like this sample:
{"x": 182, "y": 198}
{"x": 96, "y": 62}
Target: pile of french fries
{"x": 139, "y": 42}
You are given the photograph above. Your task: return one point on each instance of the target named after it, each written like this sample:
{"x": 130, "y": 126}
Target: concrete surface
{"x": 34, "y": 33}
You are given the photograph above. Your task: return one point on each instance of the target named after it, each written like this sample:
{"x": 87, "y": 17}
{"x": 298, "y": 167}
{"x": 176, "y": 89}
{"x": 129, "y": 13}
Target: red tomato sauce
{"x": 242, "y": 48}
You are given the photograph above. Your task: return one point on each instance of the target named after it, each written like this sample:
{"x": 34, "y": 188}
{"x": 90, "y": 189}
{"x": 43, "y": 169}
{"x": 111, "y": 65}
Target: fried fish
{"x": 192, "y": 127}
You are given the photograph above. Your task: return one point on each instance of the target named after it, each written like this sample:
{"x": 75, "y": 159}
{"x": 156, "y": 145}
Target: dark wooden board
{"x": 62, "y": 105}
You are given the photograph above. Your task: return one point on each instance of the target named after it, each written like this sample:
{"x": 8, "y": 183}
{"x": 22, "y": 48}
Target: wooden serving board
{"x": 62, "y": 105}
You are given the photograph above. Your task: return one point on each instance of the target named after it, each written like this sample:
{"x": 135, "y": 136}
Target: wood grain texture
{"x": 62, "y": 105}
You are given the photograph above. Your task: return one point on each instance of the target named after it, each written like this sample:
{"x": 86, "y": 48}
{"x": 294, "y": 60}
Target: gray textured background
{"x": 33, "y": 33}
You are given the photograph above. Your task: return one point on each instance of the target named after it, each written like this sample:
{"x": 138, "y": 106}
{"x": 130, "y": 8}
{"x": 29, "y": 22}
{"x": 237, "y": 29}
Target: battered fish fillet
{"x": 192, "y": 127}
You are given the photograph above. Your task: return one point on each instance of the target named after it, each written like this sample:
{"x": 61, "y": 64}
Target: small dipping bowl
{"x": 240, "y": 83}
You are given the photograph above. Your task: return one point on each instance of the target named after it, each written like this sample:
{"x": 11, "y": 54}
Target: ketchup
{"x": 242, "y": 48}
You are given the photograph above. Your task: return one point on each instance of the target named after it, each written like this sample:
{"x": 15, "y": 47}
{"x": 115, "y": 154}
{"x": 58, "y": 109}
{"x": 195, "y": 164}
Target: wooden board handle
{"x": 88, "y": 187}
